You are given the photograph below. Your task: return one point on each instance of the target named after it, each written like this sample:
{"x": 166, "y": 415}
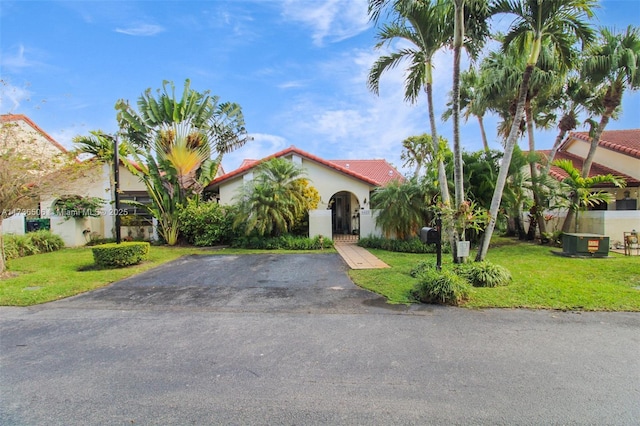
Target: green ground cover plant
{"x": 540, "y": 279}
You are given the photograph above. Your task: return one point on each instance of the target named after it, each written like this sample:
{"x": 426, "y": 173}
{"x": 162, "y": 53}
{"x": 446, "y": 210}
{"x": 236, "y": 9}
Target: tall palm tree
{"x": 573, "y": 96}
{"x": 471, "y": 101}
{"x": 557, "y": 22}
{"x": 580, "y": 191}
{"x": 614, "y": 64}
{"x": 427, "y": 28}
{"x": 418, "y": 151}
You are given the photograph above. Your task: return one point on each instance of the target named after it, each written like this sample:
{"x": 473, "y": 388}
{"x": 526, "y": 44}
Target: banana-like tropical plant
{"x": 580, "y": 191}
{"x": 177, "y": 145}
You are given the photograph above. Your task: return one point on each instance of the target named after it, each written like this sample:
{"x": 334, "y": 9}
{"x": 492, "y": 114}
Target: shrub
{"x": 16, "y": 246}
{"x": 484, "y": 274}
{"x": 45, "y": 241}
{"x": 205, "y": 223}
{"x": 42, "y": 241}
{"x": 443, "y": 287}
{"x": 283, "y": 242}
{"x": 119, "y": 255}
{"x": 411, "y": 245}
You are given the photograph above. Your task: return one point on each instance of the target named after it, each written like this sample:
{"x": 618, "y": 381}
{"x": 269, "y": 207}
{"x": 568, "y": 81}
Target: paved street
{"x": 269, "y": 339}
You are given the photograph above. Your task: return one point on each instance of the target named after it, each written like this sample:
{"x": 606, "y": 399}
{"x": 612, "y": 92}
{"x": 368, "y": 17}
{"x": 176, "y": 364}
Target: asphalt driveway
{"x": 248, "y": 283}
{"x": 290, "y": 340}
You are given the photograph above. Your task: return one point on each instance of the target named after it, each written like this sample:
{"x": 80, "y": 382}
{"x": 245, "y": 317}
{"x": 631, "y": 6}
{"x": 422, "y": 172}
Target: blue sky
{"x": 298, "y": 68}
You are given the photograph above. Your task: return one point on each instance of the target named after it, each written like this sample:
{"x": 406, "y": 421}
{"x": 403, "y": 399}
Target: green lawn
{"x": 51, "y": 276}
{"x": 541, "y": 280}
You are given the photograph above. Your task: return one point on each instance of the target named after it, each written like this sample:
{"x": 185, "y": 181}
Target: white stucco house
{"x": 96, "y": 181}
{"x": 344, "y": 186}
{"x": 618, "y": 154}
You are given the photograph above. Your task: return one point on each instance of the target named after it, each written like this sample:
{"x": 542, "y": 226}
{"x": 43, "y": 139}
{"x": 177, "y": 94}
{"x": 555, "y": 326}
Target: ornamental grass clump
{"x": 484, "y": 274}
{"x": 120, "y": 255}
{"x": 441, "y": 287}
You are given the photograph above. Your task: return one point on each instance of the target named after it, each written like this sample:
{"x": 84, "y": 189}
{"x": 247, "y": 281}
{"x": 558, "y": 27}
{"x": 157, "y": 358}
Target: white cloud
{"x": 15, "y": 95}
{"x": 291, "y": 84}
{"x": 19, "y": 59}
{"x": 335, "y": 20}
{"x": 144, "y": 30}
{"x": 261, "y": 146}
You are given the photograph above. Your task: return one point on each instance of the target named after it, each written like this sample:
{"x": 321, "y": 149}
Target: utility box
{"x": 579, "y": 244}
{"x": 429, "y": 235}
{"x": 32, "y": 225}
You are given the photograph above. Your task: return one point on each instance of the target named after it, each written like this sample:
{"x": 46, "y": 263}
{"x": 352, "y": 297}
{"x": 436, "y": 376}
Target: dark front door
{"x": 341, "y": 219}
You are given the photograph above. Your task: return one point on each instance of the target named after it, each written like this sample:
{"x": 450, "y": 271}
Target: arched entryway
{"x": 345, "y": 214}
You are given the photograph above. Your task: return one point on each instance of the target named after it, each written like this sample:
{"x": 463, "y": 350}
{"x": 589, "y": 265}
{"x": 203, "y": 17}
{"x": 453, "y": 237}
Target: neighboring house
{"x": 618, "y": 154}
{"x": 344, "y": 186}
{"x": 95, "y": 182}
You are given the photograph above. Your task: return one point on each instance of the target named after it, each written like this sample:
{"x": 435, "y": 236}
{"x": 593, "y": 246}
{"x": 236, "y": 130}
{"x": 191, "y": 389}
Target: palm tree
{"x": 99, "y": 145}
{"x": 275, "y": 199}
{"x": 425, "y": 26}
{"x": 580, "y": 191}
{"x": 471, "y": 102}
{"x": 403, "y": 208}
{"x": 573, "y": 96}
{"x": 556, "y": 22}
{"x": 613, "y": 64}
{"x": 419, "y": 151}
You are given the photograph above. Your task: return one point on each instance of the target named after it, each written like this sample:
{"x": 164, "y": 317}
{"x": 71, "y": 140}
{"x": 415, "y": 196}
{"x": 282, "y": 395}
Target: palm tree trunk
{"x": 485, "y": 142}
{"x": 554, "y": 151}
{"x": 504, "y": 167}
{"x": 442, "y": 174}
{"x": 537, "y": 208}
{"x": 595, "y": 140}
{"x": 458, "y": 42}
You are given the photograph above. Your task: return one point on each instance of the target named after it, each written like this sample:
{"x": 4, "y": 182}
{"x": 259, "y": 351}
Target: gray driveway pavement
{"x": 290, "y": 340}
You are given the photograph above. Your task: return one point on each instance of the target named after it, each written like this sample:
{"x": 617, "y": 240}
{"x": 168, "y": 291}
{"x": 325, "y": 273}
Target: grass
{"x": 51, "y": 276}
{"x": 541, "y": 280}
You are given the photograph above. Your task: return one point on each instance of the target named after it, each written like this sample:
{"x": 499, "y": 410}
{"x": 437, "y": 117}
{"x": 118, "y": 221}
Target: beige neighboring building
{"x": 618, "y": 153}
{"x": 344, "y": 186}
{"x": 96, "y": 182}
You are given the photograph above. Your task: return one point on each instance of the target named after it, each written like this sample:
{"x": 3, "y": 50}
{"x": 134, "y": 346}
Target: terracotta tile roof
{"x": 623, "y": 141}
{"x": 379, "y": 170}
{"x": 360, "y": 173}
{"x": 6, "y": 118}
{"x": 596, "y": 169}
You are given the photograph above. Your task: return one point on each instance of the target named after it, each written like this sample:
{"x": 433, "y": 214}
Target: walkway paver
{"x": 357, "y": 257}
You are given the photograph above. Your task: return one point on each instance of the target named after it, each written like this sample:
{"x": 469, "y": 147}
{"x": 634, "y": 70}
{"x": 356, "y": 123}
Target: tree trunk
{"x": 554, "y": 151}
{"x": 504, "y": 167}
{"x": 442, "y": 174}
{"x": 485, "y": 142}
{"x": 568, "y": 220}
{"x": 595, "y": 140}
{"x": 458, "y": 42}
{"x": 537, "y": 199}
